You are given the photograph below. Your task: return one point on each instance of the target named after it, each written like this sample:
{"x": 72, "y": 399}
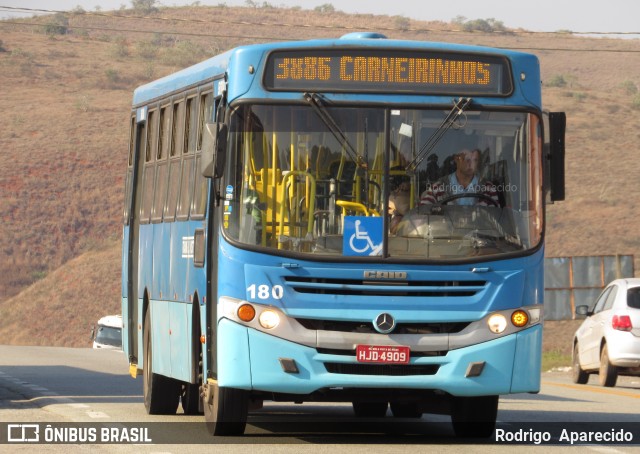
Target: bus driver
{"x": 464, "y": 180}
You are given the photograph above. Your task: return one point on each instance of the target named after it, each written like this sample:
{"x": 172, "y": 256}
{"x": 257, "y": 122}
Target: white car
{"x": 608, "y": 341}
{"x": 109, "y": 332}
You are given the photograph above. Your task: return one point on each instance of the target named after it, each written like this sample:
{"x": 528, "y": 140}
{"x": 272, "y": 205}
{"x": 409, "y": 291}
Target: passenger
{"x": 399, "y": 200}
{"x": 464, "y": 180}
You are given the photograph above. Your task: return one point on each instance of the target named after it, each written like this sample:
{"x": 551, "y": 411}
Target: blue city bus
{"x": 299, "y": 227}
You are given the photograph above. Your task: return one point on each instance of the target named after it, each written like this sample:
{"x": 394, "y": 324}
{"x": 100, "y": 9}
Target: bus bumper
{"x": 511, "y": 364}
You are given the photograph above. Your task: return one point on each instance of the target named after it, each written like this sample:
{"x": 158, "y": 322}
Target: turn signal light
{"x": 246, "y": 312}
{"x": 520, "y": 318}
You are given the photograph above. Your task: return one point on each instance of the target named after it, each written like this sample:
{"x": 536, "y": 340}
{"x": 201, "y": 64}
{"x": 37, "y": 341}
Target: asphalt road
{"x": 83, "y": 393}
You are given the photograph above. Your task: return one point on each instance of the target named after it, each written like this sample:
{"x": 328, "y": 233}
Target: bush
{"x": 579, "y": 96}
{"x": 120, "y": 48}
{"x": 83, "y": 104}
{"x": 149, "y": 72}
{"x": 557, "y": 81}
{"x": 325, "y": 8}
{"x": 113, "y": 77}
{"x": 629, "y": 87}
{"x": 58, "y": 25}
{"x": 480, "y": 25}
{"x": 147, "y": 50}
{"x": 144, "y": 6}
{"x": 183, "y": 54}
{"x": 401, "y": 22}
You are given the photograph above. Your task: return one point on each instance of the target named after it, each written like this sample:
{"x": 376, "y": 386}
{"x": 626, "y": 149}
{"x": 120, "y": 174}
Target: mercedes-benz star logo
{"x": 384, "y": 323}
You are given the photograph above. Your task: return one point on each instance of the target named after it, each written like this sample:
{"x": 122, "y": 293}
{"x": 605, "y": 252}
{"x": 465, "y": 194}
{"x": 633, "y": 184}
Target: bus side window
{"x": 162, "y": 169}
{"x": 175, "y": 159}
{"x": 199, "y": 204}
{"x": 188, "y": 170}
{"x": 149, "y": 175}
{"x": 143, "y": 139}
{"x": 188, "y": 158}
{"x": 129, "y": 177}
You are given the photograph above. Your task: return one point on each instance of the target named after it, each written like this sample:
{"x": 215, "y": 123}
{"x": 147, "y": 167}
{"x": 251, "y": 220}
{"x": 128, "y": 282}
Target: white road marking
{"x": 603, "y": 449}
{"x": 44, "y": 392}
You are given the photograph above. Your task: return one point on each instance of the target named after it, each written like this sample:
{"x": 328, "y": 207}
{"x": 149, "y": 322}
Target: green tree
{"x": 401, "y": 22}
{"x": 325, "y": 8}
{"x": 484, "y": 25}
{"x": 144, "y": 6}
{"x": 459, "y": 20}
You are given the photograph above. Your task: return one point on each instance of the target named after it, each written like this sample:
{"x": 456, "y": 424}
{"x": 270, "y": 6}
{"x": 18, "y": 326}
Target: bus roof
{"x": 216, "y": 66}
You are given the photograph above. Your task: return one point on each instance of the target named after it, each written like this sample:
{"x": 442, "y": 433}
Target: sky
{"x": 617, "y": 16}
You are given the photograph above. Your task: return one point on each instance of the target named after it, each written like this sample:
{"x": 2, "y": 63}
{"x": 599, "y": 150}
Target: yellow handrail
{"x": 353, "y": 206}
{"x": 311, "y": 201}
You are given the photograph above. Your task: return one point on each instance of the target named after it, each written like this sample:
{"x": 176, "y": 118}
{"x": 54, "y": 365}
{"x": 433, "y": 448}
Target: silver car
{"x": 608, "y": 341}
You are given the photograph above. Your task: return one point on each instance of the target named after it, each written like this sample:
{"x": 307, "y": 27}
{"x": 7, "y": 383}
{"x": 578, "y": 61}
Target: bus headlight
{"x": 269, "y": 319}
{"x": 497, "y": 323}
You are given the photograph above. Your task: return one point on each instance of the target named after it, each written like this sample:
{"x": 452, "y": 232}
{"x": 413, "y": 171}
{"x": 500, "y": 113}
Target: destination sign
{"x": 387, "y": 70}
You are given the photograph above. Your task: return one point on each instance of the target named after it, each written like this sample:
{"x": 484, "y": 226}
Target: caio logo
{"x": 383, "y": 275}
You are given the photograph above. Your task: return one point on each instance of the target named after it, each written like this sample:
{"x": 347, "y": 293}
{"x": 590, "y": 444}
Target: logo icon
{"x": 23, "y": 433}
{"x": 384, "y": 323}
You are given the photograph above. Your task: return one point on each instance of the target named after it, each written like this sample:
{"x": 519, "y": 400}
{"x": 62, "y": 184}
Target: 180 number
{"x": 263, "y": 292}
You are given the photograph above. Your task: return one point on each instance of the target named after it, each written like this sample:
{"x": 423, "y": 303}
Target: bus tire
{"x": 161, "y": 394}
{"x": 370, "y": 409}
{"x": 190, "y": 399}
{"x": 190, "y": 393}
{"x": 225, "y": 410}
{"x": 474, "y": 417}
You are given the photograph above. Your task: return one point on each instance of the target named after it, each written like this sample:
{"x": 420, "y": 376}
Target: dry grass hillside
{"x": 64, "y": 129}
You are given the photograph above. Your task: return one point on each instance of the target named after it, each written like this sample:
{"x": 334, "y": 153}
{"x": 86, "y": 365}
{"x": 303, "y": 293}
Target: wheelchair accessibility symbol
{"x": 362, "y": 236}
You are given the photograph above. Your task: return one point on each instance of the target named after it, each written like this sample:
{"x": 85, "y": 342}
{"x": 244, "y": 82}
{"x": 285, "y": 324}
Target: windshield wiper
{"x": 316, "y": 103}
{"x": 456, "y": 111}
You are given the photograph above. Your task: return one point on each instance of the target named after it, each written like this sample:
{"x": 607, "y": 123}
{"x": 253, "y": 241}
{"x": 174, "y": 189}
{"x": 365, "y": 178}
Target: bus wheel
{"x": 370, "y": 409}
{"x": 190, "y": 399}
{"x": 474, "y": 417}
{"x": 161, "y": 394}
{"x": 225, "y": 409}
{"x": 405, "y": 410}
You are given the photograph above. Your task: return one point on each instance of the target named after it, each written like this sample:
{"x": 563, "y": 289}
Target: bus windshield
{"x": 414, "y": 184}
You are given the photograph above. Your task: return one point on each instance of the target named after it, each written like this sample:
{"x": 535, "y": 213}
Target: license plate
{"x": 383, "y": 354}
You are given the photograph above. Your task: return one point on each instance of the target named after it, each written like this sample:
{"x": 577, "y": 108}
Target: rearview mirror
{"x": 557, "y": 127}
{"x": 214, "y": 145}
{"x": 582, "y": 310}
